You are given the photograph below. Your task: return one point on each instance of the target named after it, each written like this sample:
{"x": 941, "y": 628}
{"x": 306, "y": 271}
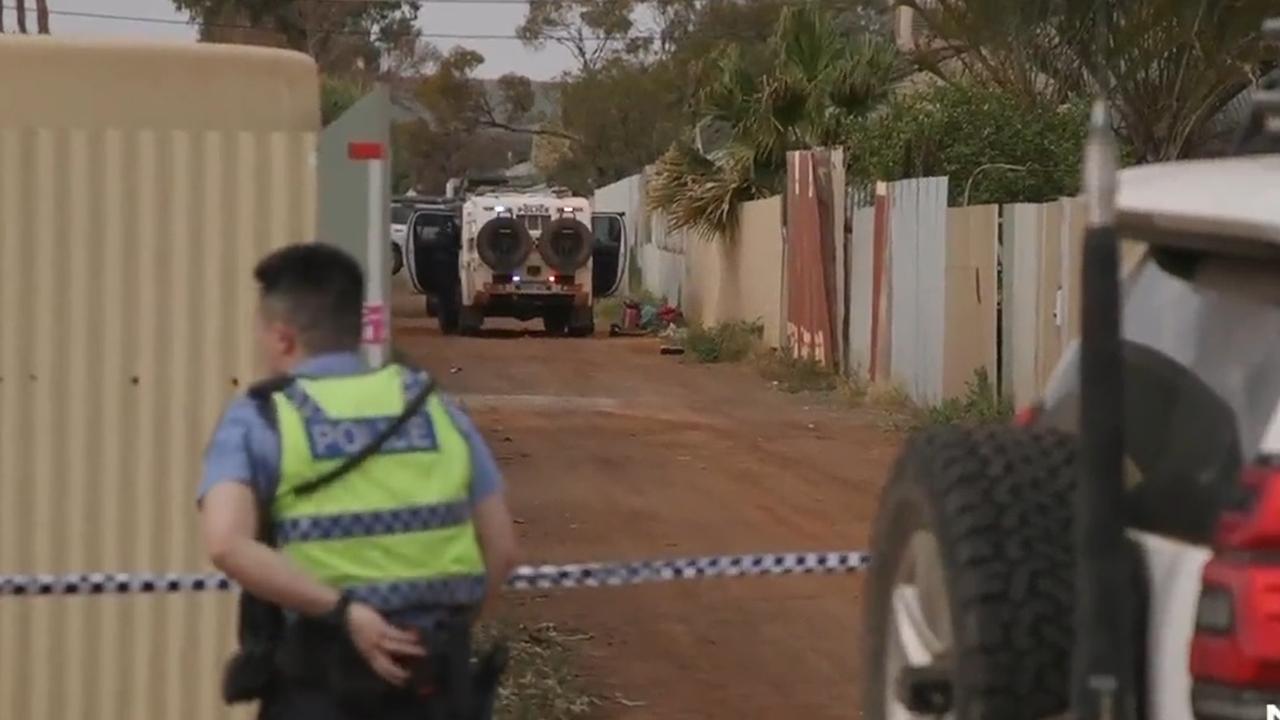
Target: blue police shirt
{"x": 245, "y": 449}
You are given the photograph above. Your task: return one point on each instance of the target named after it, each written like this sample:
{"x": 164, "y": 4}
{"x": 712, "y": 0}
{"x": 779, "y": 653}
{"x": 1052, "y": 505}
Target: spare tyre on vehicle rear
{"x": 566, "y": 244}
{"x": 970, "y": 602}
{"x": 504, "y": 244}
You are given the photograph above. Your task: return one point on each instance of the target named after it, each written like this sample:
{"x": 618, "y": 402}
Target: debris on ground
{"x": 628, "y": 703}
{"x": 671, "y": 350}
{"x": 637, "y": 318}
{"x": 616, "y": 330}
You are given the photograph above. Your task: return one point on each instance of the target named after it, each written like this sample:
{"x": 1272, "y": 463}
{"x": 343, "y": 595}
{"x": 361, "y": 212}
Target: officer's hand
{"x": 381, "y": 643}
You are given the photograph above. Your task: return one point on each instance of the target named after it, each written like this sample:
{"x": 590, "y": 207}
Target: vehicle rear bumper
{"x": 537, "y": 294}
{"x": 1219, "y": 702}
{"x": 525, "y": 304}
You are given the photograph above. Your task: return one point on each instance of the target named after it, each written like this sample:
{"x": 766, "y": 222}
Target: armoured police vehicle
{"x": 1116, "y": 552}
{"x": 507, "y": 252}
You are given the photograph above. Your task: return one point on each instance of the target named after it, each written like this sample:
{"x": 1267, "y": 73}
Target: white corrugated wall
{"x": 138, "y": 186}
{"x": 917, "y": 251}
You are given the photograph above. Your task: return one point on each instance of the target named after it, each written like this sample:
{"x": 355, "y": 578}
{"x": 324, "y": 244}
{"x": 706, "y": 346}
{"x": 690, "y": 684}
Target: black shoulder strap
{"x": 260, "y": 393}
{"x": 411, "y": 408}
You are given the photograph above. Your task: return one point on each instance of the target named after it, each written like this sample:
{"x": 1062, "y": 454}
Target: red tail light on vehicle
{"x": 1235, "y": 652}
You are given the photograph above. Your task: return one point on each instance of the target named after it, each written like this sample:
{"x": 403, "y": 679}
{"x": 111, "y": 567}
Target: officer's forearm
{"x": 268, "y": 575}
{"x": 497, "y": 580}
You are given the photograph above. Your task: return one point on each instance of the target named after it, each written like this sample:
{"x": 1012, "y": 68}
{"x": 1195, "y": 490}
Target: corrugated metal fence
{"x": 137, "y": 189}
{"x": 929, "y": 274}
{"x": 922, "y": 291}
{"x": 912, "y": 290}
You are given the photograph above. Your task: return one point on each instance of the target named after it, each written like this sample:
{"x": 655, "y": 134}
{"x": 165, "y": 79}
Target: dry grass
{"x": 540, "y": 683}
{"x": 979, "y": 404}
{"x": 739, "y": 341}
{"x": 796, "y": 375}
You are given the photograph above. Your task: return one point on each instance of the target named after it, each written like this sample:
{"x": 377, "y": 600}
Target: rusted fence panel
{"x": 810, "y": 257}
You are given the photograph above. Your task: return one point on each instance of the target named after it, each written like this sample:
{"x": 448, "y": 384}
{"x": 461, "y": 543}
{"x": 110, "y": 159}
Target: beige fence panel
{"x": 862, "y": 284}
{"x": 738, "y": 279}
{"x": 971, "y": 296}
{"x": 138, "y": 186}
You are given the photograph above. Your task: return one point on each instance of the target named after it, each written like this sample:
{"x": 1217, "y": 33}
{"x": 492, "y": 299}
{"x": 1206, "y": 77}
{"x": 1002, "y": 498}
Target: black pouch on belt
{"x": 446, "y": 671}
{"x": 465, "y": 689}
{"x": 250, "y": 674}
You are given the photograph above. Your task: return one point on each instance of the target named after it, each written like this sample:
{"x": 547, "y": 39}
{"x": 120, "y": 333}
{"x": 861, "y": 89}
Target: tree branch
{"x": 494, "y": 124}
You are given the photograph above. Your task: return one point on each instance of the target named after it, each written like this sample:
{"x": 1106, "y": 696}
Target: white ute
{"x": 975, "y": 607}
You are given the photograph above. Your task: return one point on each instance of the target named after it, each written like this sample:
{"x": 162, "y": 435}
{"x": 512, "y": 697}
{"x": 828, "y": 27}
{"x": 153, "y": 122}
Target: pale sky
{"x": 445, "y": 18}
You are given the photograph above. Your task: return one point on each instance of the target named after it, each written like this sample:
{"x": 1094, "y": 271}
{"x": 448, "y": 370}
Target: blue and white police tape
{"x": 525, "y": 577}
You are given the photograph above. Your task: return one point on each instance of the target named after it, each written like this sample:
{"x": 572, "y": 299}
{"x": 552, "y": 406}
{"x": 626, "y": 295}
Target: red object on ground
{"x": 630, "y": 316}
{"x": 669, "y": 315}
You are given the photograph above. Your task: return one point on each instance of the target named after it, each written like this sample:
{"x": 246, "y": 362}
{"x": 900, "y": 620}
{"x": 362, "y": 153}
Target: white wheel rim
{"x": 919, "y": 622}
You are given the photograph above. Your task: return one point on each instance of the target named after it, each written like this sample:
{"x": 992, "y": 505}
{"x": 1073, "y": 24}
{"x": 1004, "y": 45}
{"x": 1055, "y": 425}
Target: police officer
{"x": 415, "y": 535}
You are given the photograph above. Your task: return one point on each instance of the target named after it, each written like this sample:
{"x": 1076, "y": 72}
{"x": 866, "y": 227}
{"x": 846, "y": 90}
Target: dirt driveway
{"x": 613, "y": 452}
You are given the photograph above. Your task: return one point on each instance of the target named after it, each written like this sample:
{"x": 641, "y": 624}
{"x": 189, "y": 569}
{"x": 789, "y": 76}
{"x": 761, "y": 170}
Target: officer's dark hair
{"x": 319, "y": 290}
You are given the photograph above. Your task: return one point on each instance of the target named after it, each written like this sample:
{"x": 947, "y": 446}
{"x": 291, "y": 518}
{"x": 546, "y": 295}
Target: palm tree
{"x": 1170, "y": 67}
{"x": 42, "y": 17}
{"x": 807, "y": 88}
{"x": 21, "y": 10}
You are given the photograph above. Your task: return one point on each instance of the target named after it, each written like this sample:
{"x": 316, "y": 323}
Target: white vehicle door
{"x": 412, "y": 230}
{"x": 610, "y": 254}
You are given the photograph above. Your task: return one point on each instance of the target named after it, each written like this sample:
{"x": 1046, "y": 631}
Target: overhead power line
{"x": 343, "y": 31}
{"x": 233, "y": 26}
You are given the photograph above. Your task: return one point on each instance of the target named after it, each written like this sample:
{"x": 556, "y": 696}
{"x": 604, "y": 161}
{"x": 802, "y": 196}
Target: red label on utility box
{"x": 375, "y": 324}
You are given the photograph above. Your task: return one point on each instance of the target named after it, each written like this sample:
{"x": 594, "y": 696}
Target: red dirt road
{"x": 613, "y": 452}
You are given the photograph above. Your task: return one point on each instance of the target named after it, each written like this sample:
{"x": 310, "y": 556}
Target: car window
{"x": 1202, "y": 378}
{"x": 607, "y": 229}
{"x": 427, "y": 225}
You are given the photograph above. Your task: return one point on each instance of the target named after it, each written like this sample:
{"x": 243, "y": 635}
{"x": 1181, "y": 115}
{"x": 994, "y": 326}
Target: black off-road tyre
{"x": 449, "y": 318}
{"x": 582, "y": 322}
{"x": 999, "y": 502}
{"x": 448, "y": 308}
{"x": 470, "y": 321}
{"x": 555, "y": 320}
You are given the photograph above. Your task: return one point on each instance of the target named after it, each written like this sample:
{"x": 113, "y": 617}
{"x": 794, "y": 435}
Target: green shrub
{"x": 979, "y": 404}
{"x": 793, "y": 375}
{"x": 725, "y": 342}
{"x": 1013, "y": 150}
